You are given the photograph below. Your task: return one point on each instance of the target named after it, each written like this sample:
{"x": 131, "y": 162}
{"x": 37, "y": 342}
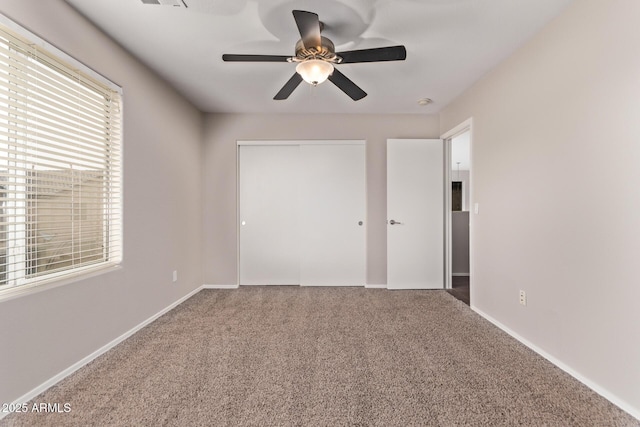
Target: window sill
{"x": 26, "y": 290}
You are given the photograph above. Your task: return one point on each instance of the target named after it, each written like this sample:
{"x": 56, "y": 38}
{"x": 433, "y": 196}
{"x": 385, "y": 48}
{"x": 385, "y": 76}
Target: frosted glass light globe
{"x": 314, "y": 71}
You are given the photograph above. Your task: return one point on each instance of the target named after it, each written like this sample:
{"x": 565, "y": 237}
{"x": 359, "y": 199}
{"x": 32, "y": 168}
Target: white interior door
{"x": 269, "y": 229}
{"x": 332, "y": 214}
{"x": 415, "y": 214}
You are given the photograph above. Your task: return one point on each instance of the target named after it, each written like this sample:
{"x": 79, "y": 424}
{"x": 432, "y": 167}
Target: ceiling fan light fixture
{"x": 314, "y": 71}
{"x": 316, "y": 56}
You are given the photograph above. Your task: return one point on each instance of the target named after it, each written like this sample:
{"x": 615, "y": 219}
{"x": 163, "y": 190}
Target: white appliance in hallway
{"x": 415, "y": 214}
{"x": 302, "y": 213}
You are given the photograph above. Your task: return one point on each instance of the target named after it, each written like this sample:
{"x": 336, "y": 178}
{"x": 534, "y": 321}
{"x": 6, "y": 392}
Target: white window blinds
{"x": 60, "y": 166}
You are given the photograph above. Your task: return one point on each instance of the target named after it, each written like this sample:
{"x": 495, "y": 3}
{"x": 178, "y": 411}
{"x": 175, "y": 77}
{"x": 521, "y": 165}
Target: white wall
{"x": 220, "y": 136}
{"x": 556, "y": 155}
{"x": 44, "y": 333}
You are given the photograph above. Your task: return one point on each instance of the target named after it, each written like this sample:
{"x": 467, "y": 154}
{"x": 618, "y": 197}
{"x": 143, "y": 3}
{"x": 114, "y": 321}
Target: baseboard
{"x": 625, "y": 406}
{"x": 461, "y": 274}
{"x": 73, "y": 368}
{"x": 375, "y": 286}
{"x": 220, "y": 286}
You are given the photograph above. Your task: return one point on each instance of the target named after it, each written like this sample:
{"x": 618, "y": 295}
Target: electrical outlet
{"x": 523, "y": 297}
{"x": 175, "y": 275}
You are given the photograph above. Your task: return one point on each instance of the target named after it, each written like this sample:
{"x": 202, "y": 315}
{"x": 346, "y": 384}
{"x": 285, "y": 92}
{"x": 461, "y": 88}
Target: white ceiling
{"x": 450, "y": 44}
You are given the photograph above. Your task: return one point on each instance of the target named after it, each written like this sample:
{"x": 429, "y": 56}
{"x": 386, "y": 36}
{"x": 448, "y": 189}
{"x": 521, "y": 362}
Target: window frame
{"x": 26, "y": 284}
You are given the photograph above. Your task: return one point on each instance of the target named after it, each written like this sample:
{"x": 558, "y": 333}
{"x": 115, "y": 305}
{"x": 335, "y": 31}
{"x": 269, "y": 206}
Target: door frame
{"x": 465, "y": 126}
{"x": 299, "y": 142}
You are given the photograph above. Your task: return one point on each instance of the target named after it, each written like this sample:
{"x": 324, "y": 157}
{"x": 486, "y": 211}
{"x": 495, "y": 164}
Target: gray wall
{"x": 47, "y": 332}
{"x": 555, "y": 146}
{"x": 220, "y": 136}
{"x": 460, "y": 243}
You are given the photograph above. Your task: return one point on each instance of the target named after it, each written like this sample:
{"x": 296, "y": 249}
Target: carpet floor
{"x": 322, "y": 357}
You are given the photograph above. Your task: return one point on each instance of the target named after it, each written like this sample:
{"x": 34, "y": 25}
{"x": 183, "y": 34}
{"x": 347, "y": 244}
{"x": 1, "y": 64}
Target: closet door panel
{"x": 332, "y": 215}
{"x": 269, "y": 215}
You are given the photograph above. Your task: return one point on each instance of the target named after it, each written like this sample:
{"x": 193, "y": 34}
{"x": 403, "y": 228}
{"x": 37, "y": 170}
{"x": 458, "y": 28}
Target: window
{"x": 60, "y": 164}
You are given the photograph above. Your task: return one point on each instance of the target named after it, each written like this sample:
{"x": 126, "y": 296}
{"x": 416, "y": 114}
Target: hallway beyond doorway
{"x": 460, "y": 288}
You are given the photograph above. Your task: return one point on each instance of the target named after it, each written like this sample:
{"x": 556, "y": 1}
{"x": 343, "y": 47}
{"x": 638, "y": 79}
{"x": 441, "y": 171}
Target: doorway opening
{"x": 458, "y": 247}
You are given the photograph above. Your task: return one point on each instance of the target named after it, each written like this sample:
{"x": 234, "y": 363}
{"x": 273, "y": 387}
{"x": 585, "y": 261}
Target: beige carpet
{"x": 322, "y": 357}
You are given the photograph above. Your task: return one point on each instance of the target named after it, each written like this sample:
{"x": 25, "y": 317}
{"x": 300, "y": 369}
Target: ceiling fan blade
{"x": 392, "y": 53}
{"x": 288, "y": 87}
{"x": 309, "y": 27}
{"x": 346, "y": 85}
{"x": 254, "y": 58}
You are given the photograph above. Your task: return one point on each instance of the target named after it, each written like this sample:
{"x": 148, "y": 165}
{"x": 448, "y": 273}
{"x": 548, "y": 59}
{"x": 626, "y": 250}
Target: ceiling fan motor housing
{"x": 326, "y": 51}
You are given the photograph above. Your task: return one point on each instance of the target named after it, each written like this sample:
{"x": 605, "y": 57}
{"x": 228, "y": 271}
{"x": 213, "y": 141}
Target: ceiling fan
{"x": 316, "y": 57}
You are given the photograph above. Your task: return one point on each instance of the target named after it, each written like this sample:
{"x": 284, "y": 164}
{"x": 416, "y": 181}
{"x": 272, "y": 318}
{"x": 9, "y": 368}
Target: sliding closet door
{"x": 302, "y": 213}
{"x": 269, "y": 229}
{"x": 332, "y": 214}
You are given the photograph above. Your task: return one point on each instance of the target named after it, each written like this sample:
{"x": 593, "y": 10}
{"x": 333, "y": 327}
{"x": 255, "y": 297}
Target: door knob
{"x": 394, "y": 222}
